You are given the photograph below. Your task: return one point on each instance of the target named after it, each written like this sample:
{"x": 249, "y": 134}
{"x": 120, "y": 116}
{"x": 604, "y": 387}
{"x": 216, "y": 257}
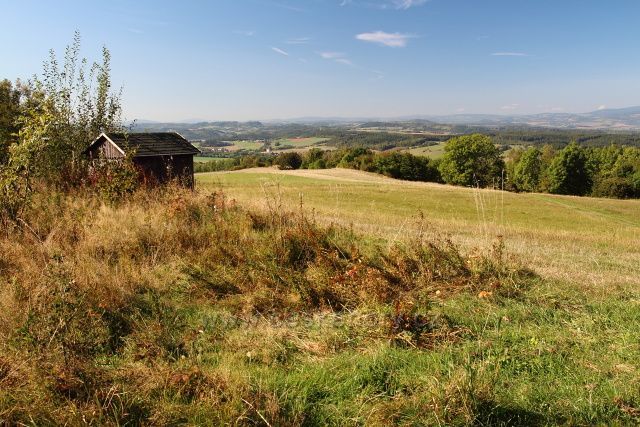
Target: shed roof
{"x": 151, "y": 144}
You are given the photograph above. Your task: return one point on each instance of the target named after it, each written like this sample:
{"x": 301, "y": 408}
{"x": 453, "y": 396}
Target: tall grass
{"x": 177, "y": 307}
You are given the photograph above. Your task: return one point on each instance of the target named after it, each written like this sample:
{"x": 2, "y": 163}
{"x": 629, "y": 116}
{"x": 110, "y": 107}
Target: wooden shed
{"x": 160, "y": 156}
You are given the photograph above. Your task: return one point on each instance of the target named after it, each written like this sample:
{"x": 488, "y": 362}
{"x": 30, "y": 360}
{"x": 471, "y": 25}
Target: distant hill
{"x": 608, "y": 120}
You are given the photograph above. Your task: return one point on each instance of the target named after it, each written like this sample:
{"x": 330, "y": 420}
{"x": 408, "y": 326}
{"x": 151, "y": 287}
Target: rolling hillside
{"x": 583, "y": 240}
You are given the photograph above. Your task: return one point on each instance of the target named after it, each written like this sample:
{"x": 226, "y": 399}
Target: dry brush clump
{"x": 98, "y": 301}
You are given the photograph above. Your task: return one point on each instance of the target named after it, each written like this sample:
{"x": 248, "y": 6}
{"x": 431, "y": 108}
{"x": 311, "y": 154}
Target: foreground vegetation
{"x": 175, "y": 307}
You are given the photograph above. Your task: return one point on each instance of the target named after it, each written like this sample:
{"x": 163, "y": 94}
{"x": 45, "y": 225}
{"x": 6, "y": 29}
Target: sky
{"x": 278, "y": 59}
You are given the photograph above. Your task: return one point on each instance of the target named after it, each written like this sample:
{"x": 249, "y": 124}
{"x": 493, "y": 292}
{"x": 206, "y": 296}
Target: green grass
{"x": 592, "y": 241}
{"x": 202, "y": 159}
{"x": 433, "y": 151}
{"x": 245, "y": 145}
{"x": 299, "y": 142}
{"x": 247, "y": 307}
{"x": 565, "y": 352}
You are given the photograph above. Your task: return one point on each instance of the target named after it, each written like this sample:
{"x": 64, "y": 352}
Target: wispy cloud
{"x": 135, "y": 31}
{"x": 331, "y": 55}
{"x": 509, "y": 54}
{"x": 385, "y": 39}
{"x": 298, "y": 40}
{"x": 245, "y": 33}
{"x": 344, "y": 61}
{"x": 406, "y": 4}
{"x": 280, "y": 51}
{"x": 338, "y": 57}
{"x": 602, "y": 107}
{"x": 377, "y": 75}
{"x": 384, "y": 4}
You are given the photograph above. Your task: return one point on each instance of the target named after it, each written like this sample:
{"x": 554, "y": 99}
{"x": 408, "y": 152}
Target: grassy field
{"x": 329, "y": 297}
{"x": 201, "y": 159}
{"x": 299, "y": 142}
{"x": 433, "y": 151}
{"x": 245, "y": 145}
{"x": 564, "y": 352}
{"x": 591, "y": 241}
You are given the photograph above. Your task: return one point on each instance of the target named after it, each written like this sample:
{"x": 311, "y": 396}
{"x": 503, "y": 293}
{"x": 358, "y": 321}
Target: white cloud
{"x": 602, "y": 107}
{"x": 344, "y": 61}
{"x": 245, "y": 33}
{"x": 385, "y": 39}
{"x": 331, "y": 55}
{"x": 406, "y": 4}
{"x": 338, "y": 57}
{"x": 298, "y": 40}
{"x": 460, "y": 110}
{"x": 280, "y": 51}
{"x": 509, "y": 54}
{"x": 377, "y": 75}
{"x": 510, "y": 107}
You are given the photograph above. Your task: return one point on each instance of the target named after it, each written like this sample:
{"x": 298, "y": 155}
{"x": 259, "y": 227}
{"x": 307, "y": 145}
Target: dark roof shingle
{"x": 153, "y": 144}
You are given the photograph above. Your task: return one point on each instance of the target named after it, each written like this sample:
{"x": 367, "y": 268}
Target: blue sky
{"x": 263, "y": 59}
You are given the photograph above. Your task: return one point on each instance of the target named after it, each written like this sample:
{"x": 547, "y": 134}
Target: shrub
{"x": 406, "y": 166}
{"x": 115, "y": 180}
{"x": 615, "y": 187}
{"x": 291, "y": 160}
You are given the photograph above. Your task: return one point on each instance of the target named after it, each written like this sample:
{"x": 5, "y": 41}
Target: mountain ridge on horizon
{"x": 626, "y": 118}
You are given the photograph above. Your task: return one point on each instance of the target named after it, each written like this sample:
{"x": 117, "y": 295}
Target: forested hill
{"x": 386, "y": 135}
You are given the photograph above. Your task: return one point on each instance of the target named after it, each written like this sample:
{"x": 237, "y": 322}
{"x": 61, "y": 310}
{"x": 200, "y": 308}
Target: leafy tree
{"x": 313, "y": 159}
{"x": 356, "y": 158}
{"x": 67, "y": 109}
{"x": 471, "y": 160}
{"x": 526, "y": 172}
{"x": 569, "y": 172}
{"x": 290, "y": 160}
{"x": 10, "y": 97}
{"x": 406, "y": 166}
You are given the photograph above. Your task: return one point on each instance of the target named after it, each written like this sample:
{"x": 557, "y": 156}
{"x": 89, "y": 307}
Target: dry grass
{"x": 151, "y": 310}
{"x": 594, "y": 242}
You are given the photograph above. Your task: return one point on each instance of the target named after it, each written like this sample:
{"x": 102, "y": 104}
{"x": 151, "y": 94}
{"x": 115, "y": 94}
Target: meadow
{"x": 320, "y": 298}
{"x": 299, "y": 142}
{"x": 585, "y": 240}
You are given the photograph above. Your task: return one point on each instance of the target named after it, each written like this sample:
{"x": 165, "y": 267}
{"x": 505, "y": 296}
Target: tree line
{"x": 476, "y": 161}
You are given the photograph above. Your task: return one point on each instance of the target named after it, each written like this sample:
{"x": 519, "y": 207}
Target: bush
{"x": 406, "y": 166}
{"x": 615, "y": 187}
{"x": 288, "y": 161}
{"x": 114, "y": 180}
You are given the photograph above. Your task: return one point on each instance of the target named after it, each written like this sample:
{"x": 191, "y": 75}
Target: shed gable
{"x": 105, "y": 148}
